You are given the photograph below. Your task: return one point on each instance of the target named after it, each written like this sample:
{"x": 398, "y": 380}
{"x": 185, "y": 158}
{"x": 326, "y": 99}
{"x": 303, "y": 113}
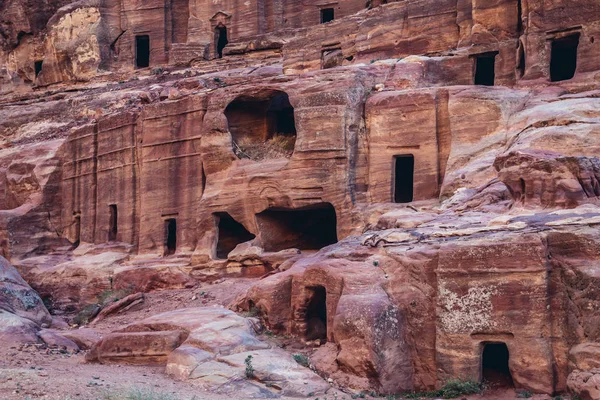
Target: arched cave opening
{"x": 404, "y": 171}
{"x": 316, "y": 313}
{"x": 309, "y": 228}
{"x": 563, "y": 58}
{"x": 262, "y": 126}
{"x": 142, "y": 51}
{"x": 231, "y": 233}
{"x": 494, "y": 365}
{"x": 221, "y": 39}
{"x": 170, "y": 236}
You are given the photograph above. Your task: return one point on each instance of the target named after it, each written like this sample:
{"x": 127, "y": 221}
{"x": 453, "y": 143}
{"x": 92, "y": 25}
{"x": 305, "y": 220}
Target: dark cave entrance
{"x": 112, "y": 223}
{"x": 327, "y": 15}
{"x": 316, "y": 313}
{"x": 494, "y": 365}
{"x": 142, "y": 51}
{"x": 521, "y": 60}
{"x": 404, "y": 170}
{"x": 485, "y": 69}
{"x": 310, "y": 228}
{"x": 37, "y": 66}
{"x": 262, "y": 126}
{"x": 563, "y": 59}
{"x": 220, "y": 39}
{"x": 231, "y": 233}
{"x": 77, "y": 223}
{"x": 170, "y": 236}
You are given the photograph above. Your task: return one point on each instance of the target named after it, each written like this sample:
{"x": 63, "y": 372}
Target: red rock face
{"x": 416, "y": 182}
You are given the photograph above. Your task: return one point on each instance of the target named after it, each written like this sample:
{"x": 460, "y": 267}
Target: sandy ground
{"x": 34, "y": 372}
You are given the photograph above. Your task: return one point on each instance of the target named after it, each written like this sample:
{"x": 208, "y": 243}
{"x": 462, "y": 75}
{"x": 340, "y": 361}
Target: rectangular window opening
{"x": 170, "y": 236}
{"x": 404, "y": 169}
{"x": 485, "y": 69}
{"x": 327, "y": 15}
{"x": 142, "y": 51}
{"x": 563, "y": 58}
{"x": 112, "y": 223}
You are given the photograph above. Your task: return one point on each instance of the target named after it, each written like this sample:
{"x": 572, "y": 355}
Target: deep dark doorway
{"x": 563, "y": 63}
{"x": 494, "y": 365}
{"x": 38, "y": 67}
{"x": 231, "y": 233}
{"x": 221, "y": 39}
{"x": 327, "y": 15}
{"x": 142, "y": 51}
{"x": 485, "y": 69}
{"x": 404, "y": 170}
{"x": 310, "y": 228}
{"x": 316, "y": 313}
{"x": 112, "y": 223}
{"x": 77, "y": 223}
{"x": 170, "y": 236}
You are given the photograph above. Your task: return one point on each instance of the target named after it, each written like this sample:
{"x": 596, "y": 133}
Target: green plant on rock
{"x": 249, "y": 367}
{"x": 453, "y": 388}
{"x": 136, "y": 394}
{"x": 524, "y": 394}
{"x": 301, "y": 359}
{"x": 456, "y": 387}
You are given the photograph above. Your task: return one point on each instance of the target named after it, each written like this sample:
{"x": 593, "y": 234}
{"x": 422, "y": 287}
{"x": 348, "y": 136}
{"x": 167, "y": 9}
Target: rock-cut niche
{"x": 310, "y": 228}
{"x": 494, "y": 365}
{"x": 231, "y": 233}
{"x": 262, "y": 126}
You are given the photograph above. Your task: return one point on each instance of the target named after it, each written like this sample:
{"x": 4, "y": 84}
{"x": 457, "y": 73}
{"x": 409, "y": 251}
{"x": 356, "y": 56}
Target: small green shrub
{"x": 249, "y": 367}
{"x": 301, "y": 359}
{"x": 453, "y": 388}
{"x": 456, "y": 387}
{"x": 251, "y": 313}
{"x": 136, "y": 394}
{"x": 524, "y": 394}
{"x": 86, "y": 314}
{"x": 110, "y": 296}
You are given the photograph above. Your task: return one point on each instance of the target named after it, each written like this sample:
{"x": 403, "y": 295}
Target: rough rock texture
{"x": 209, "y": 346}
{"x": 414, "y": 182}
{"x": 585, "y": 384}
{"x": 22, "y": 312}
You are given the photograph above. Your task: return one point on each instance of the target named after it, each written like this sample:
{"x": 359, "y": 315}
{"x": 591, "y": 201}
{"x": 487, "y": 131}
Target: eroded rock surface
{"x": 209, "y": 347}
{"x": 414, "y": 185}
{"x": 22, "y": 312}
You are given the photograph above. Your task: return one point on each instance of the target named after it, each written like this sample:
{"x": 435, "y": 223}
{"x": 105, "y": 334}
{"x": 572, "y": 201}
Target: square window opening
{"x": 327, "y": 15}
